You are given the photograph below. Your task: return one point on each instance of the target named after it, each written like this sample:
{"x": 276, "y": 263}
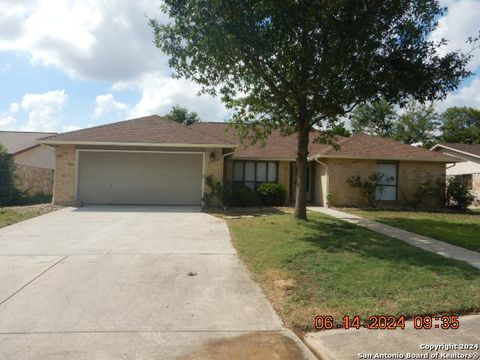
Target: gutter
{"x": 100, "y": 143}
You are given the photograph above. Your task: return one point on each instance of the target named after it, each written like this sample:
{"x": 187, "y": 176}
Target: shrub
{"x": 217, "y": 193}
{"x": 329, "y": 199}
{"x": 272, "y": 194}
{"x": 428, "y": 194}
{"x": 242, "y": 196}
{"x": 369, "y": 187}
{"x": 8, "y": 192}
{"x": 26, "y": 199}
{"x": 458, "y": 195}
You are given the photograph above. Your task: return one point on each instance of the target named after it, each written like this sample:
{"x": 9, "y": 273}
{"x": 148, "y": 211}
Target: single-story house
{"x": 152, "y": 160}
{"x": 468, "y": 171}
{"x": 34, "y": 164}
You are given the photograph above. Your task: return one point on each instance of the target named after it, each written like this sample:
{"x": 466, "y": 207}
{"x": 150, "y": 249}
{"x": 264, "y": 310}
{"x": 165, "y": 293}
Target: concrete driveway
{"x": 112, "y": 282}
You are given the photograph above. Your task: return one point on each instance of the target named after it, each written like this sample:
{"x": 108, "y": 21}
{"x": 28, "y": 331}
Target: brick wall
{"x": 338, "y": 172}
{"x": 33, "y": 180}
{"x": 64, "y": 183}
{"x": 410, "y": 175}
{"x": 213, "y": 167}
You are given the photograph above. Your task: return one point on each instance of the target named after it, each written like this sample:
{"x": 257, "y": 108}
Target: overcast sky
{"x": 70, "y": 64}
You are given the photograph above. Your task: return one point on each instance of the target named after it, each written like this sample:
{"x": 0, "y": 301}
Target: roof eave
{"x": 113, "y": 143}
{"x": 435, "y": 147}
{"x": 262, "y": 158}
{"x": 319, "y": 156}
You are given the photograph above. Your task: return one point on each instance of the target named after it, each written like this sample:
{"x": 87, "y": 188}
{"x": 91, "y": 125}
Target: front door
{"x": 293, "y": 182}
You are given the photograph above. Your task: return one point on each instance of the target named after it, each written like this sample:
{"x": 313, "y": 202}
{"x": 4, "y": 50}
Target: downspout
{"x": 230, "y": 153}
{"x": 223, "y": 163}
{"x": 325, "y": 203}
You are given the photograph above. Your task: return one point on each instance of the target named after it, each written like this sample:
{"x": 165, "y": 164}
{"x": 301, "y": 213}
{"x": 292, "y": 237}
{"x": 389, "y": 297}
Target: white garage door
{"x": 140, "y": 178}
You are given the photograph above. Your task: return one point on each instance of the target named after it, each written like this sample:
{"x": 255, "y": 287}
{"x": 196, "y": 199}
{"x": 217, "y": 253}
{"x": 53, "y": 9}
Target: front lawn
{"x": 12, "y": 215}
{"x": 328, "y": 267}
{"x": 461, "y": 229}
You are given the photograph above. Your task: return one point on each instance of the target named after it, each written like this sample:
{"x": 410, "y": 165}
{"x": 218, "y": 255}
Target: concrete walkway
{"x": 423, "y": 242}
{"x": 131, "y": 282}
{"x": 364, "y": 344}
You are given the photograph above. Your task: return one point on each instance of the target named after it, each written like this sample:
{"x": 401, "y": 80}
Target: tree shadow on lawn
{"x": 248, "y": 211}
{"x": 335, "y": 236}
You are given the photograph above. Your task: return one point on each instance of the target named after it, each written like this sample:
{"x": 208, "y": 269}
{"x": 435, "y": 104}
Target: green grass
{"x": 461, "y": 229}
{"x": 12, "y": 216}
{"x": 342, "y": 269}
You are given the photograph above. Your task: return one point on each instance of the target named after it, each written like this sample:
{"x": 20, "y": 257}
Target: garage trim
{"x": 77, "y": 155}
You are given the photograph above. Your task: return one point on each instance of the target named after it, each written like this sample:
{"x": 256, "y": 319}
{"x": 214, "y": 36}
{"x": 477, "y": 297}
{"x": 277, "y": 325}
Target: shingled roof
{"x": 158, "y": 131}
{"x": 275, "y": 147}
{"x": 19, "y": 141}
{"x": 149, "y": 130}
{"x": 364, "y": 146}
{"x": 470, "y": 149}
{"x": 359, "y": 146}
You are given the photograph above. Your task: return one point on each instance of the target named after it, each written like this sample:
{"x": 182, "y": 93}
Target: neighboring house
{"x": 152, "y": 160}
{"x": 467, "y": 172}
{"x": 34, "y": 164}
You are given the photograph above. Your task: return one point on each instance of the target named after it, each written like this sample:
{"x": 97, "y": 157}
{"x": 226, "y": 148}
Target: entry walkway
{"x": 423, "y": 242}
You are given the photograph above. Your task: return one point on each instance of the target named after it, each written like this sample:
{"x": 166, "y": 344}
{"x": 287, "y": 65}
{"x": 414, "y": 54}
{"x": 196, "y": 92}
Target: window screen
{"x": 387, "y": 189}
{"x": 261, "y": 171}
{"x": 272, "y": 172}
{"x": 238, "y": 171}
{"x": 249, "y": 171}
{"x": 253, "y": 173}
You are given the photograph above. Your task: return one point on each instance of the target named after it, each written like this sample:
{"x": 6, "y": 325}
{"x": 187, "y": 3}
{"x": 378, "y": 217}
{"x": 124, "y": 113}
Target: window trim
{"x": 397, "y": 173}
{"x": 256, "y": 183}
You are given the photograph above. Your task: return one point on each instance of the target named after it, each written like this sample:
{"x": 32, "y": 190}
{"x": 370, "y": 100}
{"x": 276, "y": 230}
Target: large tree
{"x": 294, "y": 65}
{"x": 461, "y": 125}
{"x": 375, "y": 118}
{"x": 182, "y": 115}
{"x": 417, "y": 124}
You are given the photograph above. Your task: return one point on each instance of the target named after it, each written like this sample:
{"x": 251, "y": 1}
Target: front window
{"x": 387, "y": 188}
{"x": 253, "y": 173}
{"x": 465, "y": 180}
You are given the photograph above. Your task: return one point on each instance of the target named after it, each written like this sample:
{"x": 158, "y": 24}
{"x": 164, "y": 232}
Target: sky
{"x": 70, "y": 64}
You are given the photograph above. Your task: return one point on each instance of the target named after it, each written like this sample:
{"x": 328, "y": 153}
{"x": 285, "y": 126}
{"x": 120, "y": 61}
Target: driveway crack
{"x": 35, "y": 278}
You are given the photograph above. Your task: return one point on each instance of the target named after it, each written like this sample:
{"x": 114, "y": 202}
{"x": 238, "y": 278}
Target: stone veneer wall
{"x": 33, "y": 180}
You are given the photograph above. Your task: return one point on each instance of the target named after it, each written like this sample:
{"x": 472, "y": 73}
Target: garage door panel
{"x": 139, "y": 178}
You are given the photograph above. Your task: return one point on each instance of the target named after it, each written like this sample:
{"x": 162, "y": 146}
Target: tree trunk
{"x": 301, "y": 188}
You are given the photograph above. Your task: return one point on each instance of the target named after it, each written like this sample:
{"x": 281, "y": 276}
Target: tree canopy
{"x": 182, "y": 115}
{"x": 461, "y": 125}
{"x": 417, "y": 124}
{"x": 293, "y": 65}
{"x": 376, "y": 118}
